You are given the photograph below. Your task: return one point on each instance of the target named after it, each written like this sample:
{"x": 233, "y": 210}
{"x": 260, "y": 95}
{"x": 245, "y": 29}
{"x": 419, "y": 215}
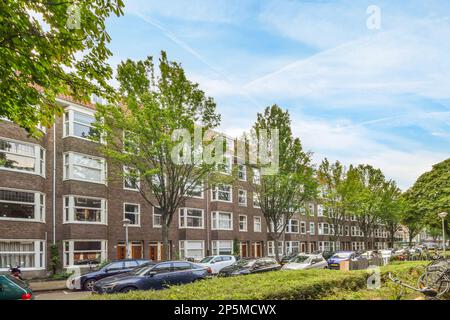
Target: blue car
{"x": 335, "y": 261}
{"x": 86, "y": 281}
{"x": 155, "y": 277}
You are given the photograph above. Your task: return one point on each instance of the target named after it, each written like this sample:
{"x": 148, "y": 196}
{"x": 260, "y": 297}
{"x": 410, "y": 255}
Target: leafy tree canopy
{"x": 50, "y": 48}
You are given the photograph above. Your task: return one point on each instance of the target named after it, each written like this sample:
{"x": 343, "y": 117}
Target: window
{"x": 22, "y": 157}
{"x": 196, "y": 190}
{"x": 157, "y": 218}
{"x": 242, "y": 172}
{"x": 242, "y": 198}
{"x": 84, "y": 168}
{"x": 79, "y": 123}
{"x": 271, "y": 249}
{"x": 29, "y": 254}
{"x": 326, "y": 246}
{"x": 84, "y": 210}
{"x": 222, "y": 220}
{"x": 131, "y": 179}
{"x": 84, "y": 252}
{"x": 311, "y": 208}
{"x": 347, "y": 231}
{"x": 292, "y": 226}
{"x": 303, "y": 227}
{"x": 130, "y": 142}
{"x": 22, "y": 205}
{"x": 324, "y": 229}
{"x": 180, "y": 266}
{"x": 312, "y": 228}
{"x": 357, "y": 246}
{"x": 320, "y": 210}
{"x": 292, "y": 247}
{"x": 242, "y": 222}
{"x": 226, "y": 166}
{"x": 222, "y": 192}
{"x": 256, "y": 203}
{"x": 256, "y": 176}
{"x": 192, "y": 249}
{"x": 191, "y": 218}
{"x": 132, "y": 212}
{"x": 222, "y": 247}
{"x": 257, "y": 224}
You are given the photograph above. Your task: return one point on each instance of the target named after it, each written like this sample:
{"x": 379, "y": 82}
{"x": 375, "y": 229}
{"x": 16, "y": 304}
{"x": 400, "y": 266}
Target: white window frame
{"x": 71, "y": 210}
{"x": 320, "y": 210}
{"x": 255, "y": 224}
{"x": 198, "y": 188}
{"x": 227, "y": 166}
{"x": 153, "y": 218}
{"x": 256, "y": 176}
{"x": 256, "y": 201}
{"x": 242, "y": 168}
{"x": 184, "y": 218}
{"x": 126, "y": 170}
{"x": 217, "y": 245}
{"x": 68, "y": 167}
{"x": 302, "y": 227}
{"x": 240, "y": 197}
{"x": 68, "y": 255}
{"x": 215, "y": 193}
{"x": 39, "y": 157}
{"x": 312, "y": 228}
{"x": 271, "y": 249}
{"x": 245, "y": 222}
{"x": 138, "y": 214}
{"x": 69, "y": 124}
{"x": 39, "y": 253}
{"x": 291, "y": 225}
{"x": 183, "y": 248}
{"x": 39, "y": 206}
{"x": 215, "y": 220}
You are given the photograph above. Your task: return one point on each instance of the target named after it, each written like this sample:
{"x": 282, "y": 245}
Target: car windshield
{"x": 300, "y": 259}
{"x": 245, "y": 263}
{"x": 142, "y": 269}
{"x": 342, "y": 255}
{"x": 206, "y": 259}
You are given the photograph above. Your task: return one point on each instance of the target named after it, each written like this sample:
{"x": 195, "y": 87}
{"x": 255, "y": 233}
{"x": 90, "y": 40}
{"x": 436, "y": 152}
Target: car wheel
{"x": 89, "y": 285}
{"x": 128, "y": 289}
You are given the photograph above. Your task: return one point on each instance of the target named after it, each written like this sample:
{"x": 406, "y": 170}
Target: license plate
{"x": 334, "y": 265}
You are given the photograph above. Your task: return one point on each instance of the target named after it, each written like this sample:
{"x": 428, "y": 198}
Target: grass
{"x": 282, "y": 285}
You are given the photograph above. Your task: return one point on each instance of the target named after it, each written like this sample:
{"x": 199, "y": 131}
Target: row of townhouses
{"x": 59, "y": 190}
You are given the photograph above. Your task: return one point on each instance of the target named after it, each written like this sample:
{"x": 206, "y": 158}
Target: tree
{"x": 333, "y": 185}
{"x": 391, "y": 208}
{"x": 366, "y": 185}
{"x": 52, "y": 48}
{"x": 147, "y": 126}
{"x": 430, "y": 195}
{"x": 284, "y": 192}
{"x": 411, "y": 217}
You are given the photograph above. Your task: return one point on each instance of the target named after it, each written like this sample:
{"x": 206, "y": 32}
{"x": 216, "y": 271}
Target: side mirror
{"x": 152, "y": 273}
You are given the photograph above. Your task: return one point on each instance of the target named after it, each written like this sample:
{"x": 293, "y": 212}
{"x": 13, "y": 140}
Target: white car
{"x": 217, "y": 263}
{"x": 306, "y": 261}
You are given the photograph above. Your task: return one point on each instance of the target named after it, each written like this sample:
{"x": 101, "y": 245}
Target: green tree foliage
{"x": 284, "y": 192}
{"x": 44, "y": 53}
{"x": 392, "y": 208}
{"x": 430, "y": 195}
{"x": 138, "y": 134}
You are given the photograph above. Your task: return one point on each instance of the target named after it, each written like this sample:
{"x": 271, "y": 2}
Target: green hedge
{"x": 279, "y": 285}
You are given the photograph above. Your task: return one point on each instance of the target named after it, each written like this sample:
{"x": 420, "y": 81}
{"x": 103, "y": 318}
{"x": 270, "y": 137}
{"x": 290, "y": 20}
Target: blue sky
{"x": 356, "y": 95}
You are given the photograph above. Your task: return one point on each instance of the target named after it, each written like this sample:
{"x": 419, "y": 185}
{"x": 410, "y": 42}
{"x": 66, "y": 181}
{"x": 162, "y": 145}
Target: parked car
{"x": 217, "y": 263}
{"x": 156, "y": 277}
{"x": 288, "y": 257}
{"x": 12, "y": 288}
{"x": 247, "y": 266}
{"x": 325, "y": 254}
{"x": 86, "y": 281}
{"x": 338, "y": 257}
{"x": 306, "y": 261}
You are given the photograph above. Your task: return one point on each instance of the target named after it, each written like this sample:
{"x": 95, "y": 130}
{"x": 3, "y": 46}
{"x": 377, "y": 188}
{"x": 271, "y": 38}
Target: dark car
{"x": 247, "y": 266}
{"x": 335, "y": 261}
{"x": 86, "y": 281}
{"x": 156, "y": 277}
{"x": 12, "y": 288}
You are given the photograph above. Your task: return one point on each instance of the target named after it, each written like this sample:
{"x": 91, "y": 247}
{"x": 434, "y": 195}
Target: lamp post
{"x": 443, "y": 215}
{"x": 126, "y": 223}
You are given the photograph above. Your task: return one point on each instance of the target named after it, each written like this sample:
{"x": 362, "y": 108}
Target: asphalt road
{"x": 62, "y": 295}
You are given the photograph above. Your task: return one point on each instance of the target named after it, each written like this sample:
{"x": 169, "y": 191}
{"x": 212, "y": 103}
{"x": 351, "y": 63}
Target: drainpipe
{"x": 54, "y": 185}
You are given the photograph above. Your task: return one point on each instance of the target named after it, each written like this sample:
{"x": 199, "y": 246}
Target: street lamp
{"x": 126, "y": 223}
{"x": 443, "y": 215}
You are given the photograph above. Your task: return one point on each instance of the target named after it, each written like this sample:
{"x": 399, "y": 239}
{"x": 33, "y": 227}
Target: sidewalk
{"x": 47, "y": 285}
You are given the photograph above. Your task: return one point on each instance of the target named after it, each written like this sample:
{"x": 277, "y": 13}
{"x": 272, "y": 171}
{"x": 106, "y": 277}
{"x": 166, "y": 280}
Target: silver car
{"x": 306, "y": 261}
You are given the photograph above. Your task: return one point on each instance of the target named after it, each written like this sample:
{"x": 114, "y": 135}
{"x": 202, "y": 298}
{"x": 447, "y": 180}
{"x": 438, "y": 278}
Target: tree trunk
{"x": 165, "y": 237}
{"x": 275, "y": 248}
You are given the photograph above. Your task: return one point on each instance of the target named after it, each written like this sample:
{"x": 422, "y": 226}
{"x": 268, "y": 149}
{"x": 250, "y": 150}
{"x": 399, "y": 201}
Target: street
{"x": 62, "y": 295}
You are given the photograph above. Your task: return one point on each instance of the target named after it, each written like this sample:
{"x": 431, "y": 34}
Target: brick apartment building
{"x": 60, "y": 190}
